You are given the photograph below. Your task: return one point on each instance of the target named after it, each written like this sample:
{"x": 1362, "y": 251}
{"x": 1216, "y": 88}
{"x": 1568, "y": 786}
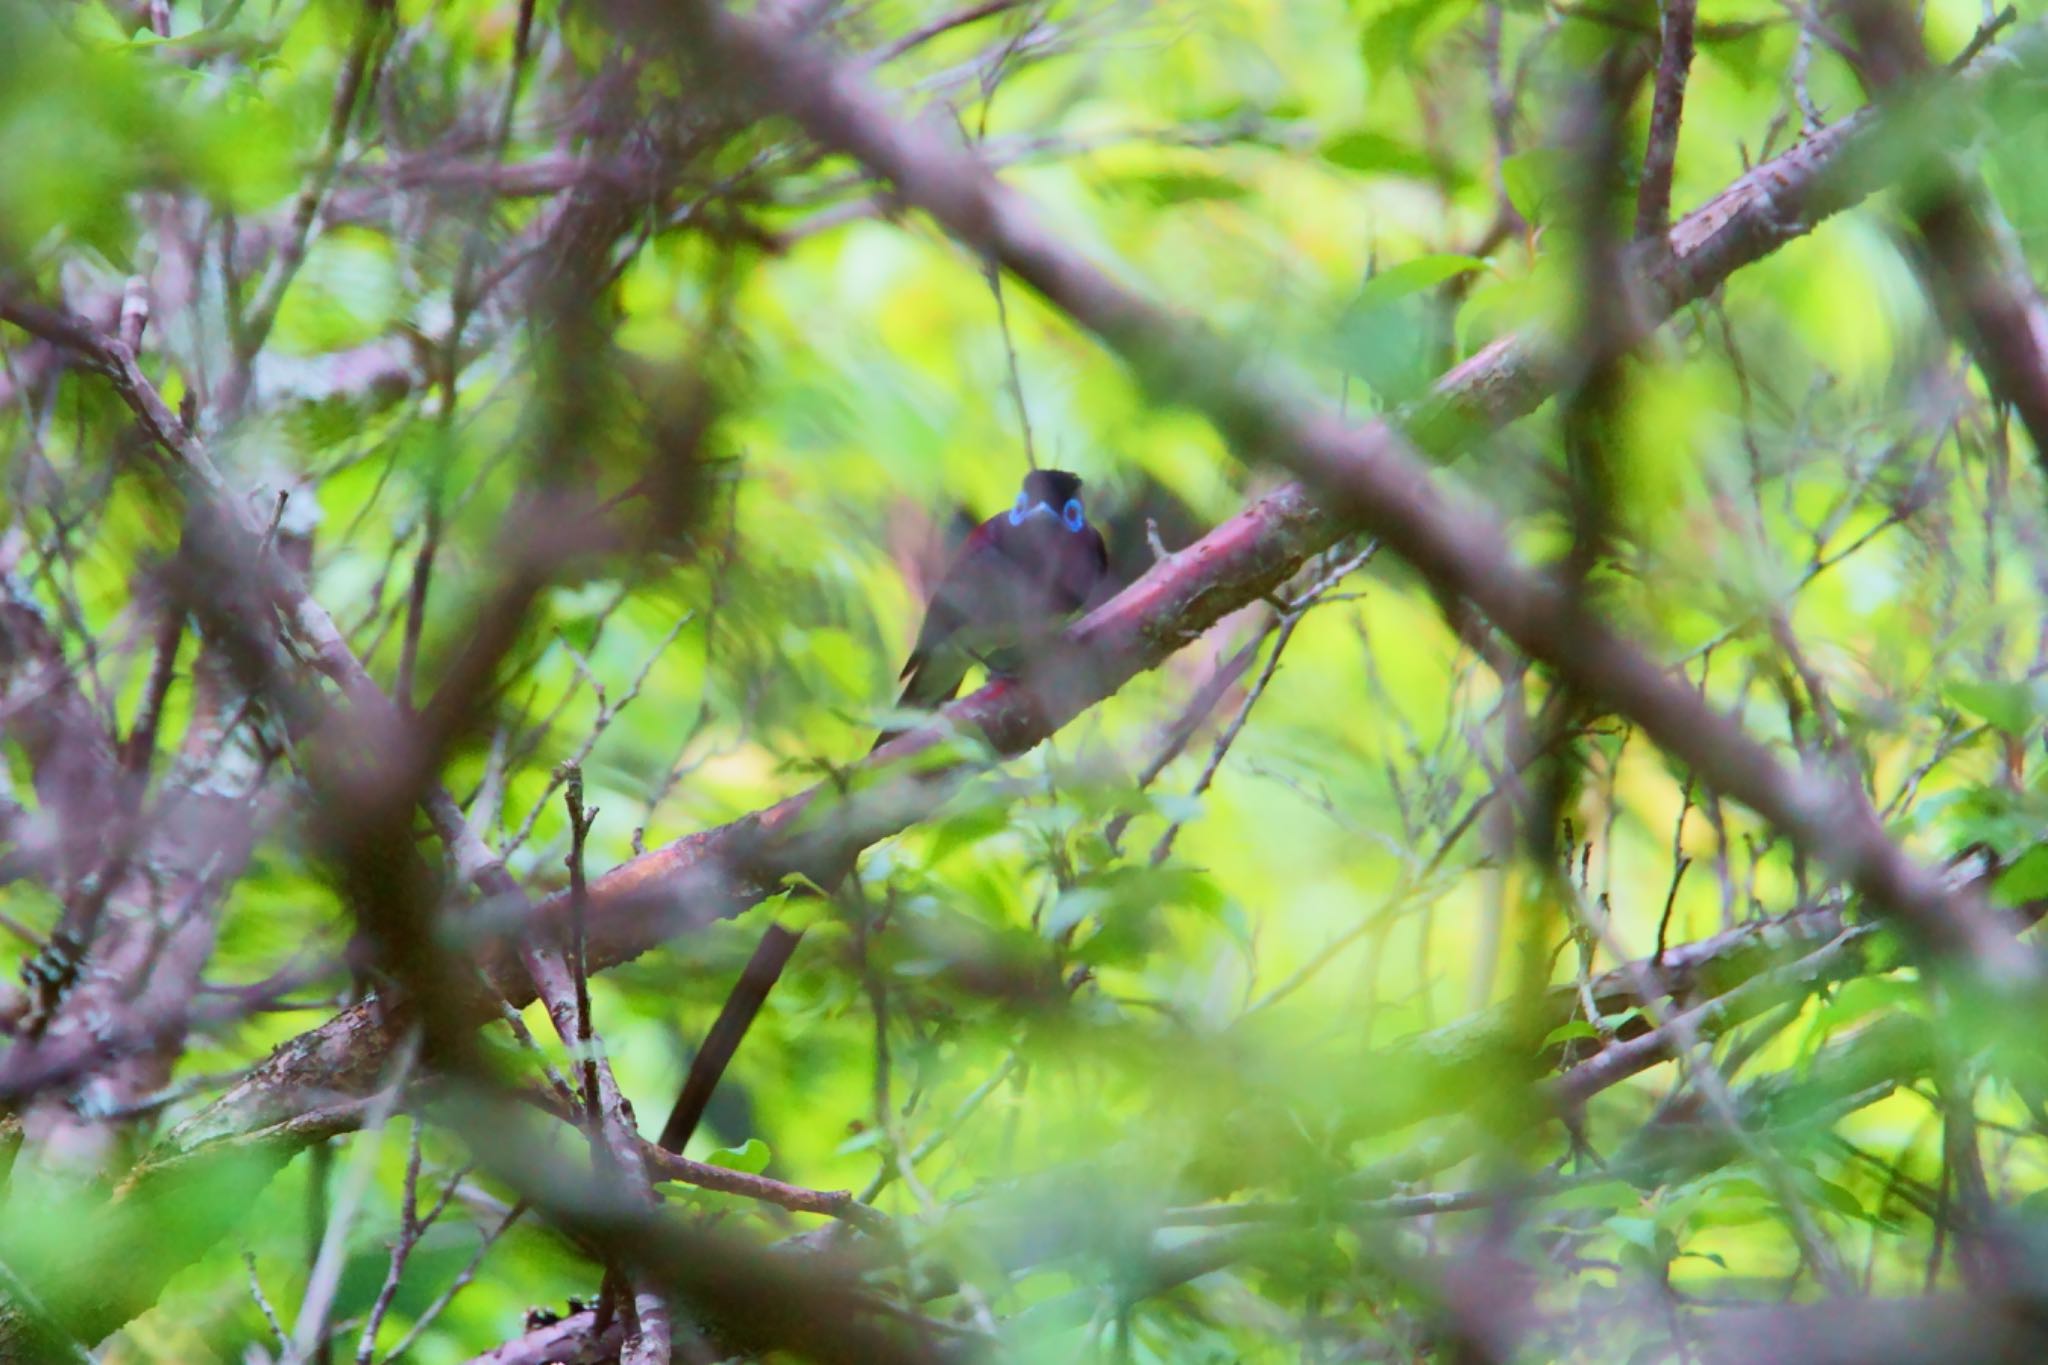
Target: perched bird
{"x": 1016, "y": 581}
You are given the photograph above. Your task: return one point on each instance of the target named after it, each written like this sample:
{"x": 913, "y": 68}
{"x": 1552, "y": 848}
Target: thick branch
{"x": 1975, "y": 272}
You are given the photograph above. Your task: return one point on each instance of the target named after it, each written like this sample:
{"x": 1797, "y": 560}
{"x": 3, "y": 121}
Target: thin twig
{"x": 735, "y": 1017}
{"x": 1288, "y": 621}
{"x": 945, "y": 23}
{"x": 140, "y": 746}
{"x": 579, "y": 962}
{"x": 325, "y": 1279}
{"x": 252, "y": 329}
{"x": 263, "y": 1302}
{"x": 468, "y": 1273}
{"x": 416, "y": 604}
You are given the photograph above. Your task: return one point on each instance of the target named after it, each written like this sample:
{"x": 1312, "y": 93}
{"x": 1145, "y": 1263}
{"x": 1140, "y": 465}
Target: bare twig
{"x": 1288, "y": 621}
{"x": 252, "y": 328}
{"x": 579, "y": 962}
{"x": 945, "y": 23}
{"x": 140, "y": 746}
{"x": 325, "y": 1279}
{"x": 461, "y": 1281}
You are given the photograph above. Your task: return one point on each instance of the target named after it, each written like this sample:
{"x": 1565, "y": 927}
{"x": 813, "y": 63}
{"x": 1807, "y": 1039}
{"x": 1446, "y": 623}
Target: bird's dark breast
{"x": 1039, "y": 573}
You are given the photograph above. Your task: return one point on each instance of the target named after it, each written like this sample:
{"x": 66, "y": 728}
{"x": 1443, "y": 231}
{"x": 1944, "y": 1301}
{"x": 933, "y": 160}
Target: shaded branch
{"x": 1977, "y": 275}
{"x": 1674, "y": 63}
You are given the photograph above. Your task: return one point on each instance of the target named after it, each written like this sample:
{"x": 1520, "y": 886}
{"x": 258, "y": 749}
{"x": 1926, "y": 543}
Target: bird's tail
{"x": 930, "y": 681}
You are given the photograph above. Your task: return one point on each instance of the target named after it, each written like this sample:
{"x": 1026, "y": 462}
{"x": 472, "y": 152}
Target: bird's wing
{"x": 1085, "y": 583}
{"x": 975, "y": 585}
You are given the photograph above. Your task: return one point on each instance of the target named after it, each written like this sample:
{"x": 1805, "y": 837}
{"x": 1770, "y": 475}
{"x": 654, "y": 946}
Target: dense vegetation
{"x": 1534, "y": 864}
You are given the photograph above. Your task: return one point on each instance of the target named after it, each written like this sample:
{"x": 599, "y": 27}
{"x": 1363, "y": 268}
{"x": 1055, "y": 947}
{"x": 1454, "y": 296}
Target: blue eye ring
{"x": 1072, "y": 515}
{"x": 1017, "y": 512}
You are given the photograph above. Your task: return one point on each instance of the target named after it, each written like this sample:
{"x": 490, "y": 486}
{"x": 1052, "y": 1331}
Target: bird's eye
{"x": 1071, "y": 515}
{"x": 1017, "y": 512}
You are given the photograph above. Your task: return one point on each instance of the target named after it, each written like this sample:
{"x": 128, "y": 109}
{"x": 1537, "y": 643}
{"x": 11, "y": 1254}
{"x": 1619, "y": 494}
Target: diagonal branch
{"x": 1978, "y": 277}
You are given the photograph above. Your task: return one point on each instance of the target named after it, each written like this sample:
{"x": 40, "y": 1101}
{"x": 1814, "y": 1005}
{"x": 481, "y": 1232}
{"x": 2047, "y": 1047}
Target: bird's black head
{"x": 1054, "y": 494}
{"x": 1052, "y": 487}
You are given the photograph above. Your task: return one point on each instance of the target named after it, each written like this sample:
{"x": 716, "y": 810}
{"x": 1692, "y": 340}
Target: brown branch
{"x": 563, "y": 983}
{"x": 1979, "y": 280}
{"x": 573, "y": 1340}
{"x": 1674, "y": 63}
{"x": 797, "y": 1199}
{"x": 735, "y": 1017}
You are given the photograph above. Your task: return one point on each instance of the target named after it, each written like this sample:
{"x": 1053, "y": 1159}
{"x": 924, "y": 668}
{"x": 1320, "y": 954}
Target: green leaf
{"x": 1164, "y": 188}
{"x": 1534, "y": 179}
{"x": 1866, "y": 995}
{"x": 1073, "y": 906}
{"x": 1640, "y": 1233}
{"x": 967, "y": 829}
{"x": 1570, "y": 1029}
{"x": 2026, "y": 880}
{"x": 1839, "y": 1199}
{"x": 1402, "y": 36}
{"x": 2008, "y": 706}
{"x": 1362, "y": 149}
{"x": 860, "y": 1142}
{"x": 752, "y": 1159}
{"x": 1597, "y": 1194}
{"x": 1412, "y": 277}
{"x": 1391, "y": 331}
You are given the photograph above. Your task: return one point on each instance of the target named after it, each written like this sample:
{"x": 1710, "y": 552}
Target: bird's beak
{"x": 1018, "y": 515}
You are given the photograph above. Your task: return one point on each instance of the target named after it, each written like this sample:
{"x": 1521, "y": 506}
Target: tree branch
{"x": 1977, "y": 276}
{"x": 1660, "y": 157}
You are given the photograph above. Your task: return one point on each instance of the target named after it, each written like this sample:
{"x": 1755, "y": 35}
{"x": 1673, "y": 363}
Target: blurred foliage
{"x": 1822, "y": 521}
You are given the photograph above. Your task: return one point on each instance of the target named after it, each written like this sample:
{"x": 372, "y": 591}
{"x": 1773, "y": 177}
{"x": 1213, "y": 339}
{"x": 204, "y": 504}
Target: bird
{"x": 1017, "y": 580}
